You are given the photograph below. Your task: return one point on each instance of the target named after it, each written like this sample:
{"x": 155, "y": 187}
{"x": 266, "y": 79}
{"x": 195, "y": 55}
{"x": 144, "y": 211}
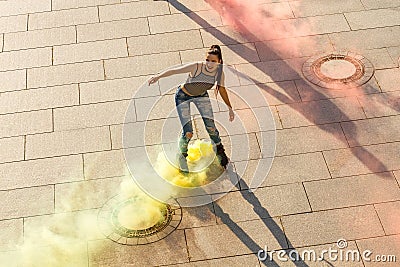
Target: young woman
{"x": 202, "y": 77}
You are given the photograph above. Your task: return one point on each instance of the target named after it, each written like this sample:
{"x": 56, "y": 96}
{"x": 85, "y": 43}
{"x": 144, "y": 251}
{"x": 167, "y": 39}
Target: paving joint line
{"x": 395, "y": 177}
{"x": 76, "y": 34}
{"x": 98, "y": 13}
{"x": 326, "y": 165}
{"x": 24, "y": 147}
{"x": 83, "y": 167}
{"x": 359, "y": 251}
{"x": 308, "y": 199}
{"x": 2, "y": 46}
{"x": 52, "y": 120}
{"x": 27, "y": 22}
{"x": 109, "y": 132}
{"x": 186, "y": 245}
{"x": 380, "y": 221}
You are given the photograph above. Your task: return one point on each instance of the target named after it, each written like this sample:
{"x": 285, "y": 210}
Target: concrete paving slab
{"x": 13, "y": 149}
{"x": 170, "y": 250}
{"x": 225, "y": 35}
{"x": 41, "y": 172}
{"x": 16, "y": 7}
{"x": 380, "y": 58}
{"x": 246, "y": 121}
{"x": 232, "y": 54}
{"x": 395, "y": 53}
{"x": 117, "y": 89}
{"x": 165, "y": 42}
{"x": 389, "y": 215}
{"x": 140, "y": 65}
{"x": 185, "y": 6}
{"x": 388, "y": 79}
{"x": 160, "y": 131}
{"x": 309, "y": 139}
{"x": 317, "y": 256}
{"x": 158, "y": 107}
{"x": 372, "y": 131}
{"x": 55, "y": 75}
{"x": 363, "y": 160}
{"x": 84, "y": 195}
{"x": 264, "y": 203}
{"x": 198, "y": 217}
{"x": 299, "y": 47}
{"x": 39, "y": 38}
{"x": 371, "y": 4}
{"x": 26, "y": 123}
{"x": 182, "y": 22}
{"x": 61, "y": 18}
{"x": 317, "y": 8}
{"x": 104, "y": 164}
{"x": 383, "y": 104}
{"x": 18, "y": 202}
{"x": 383, "y": 247}
{"x": 133, "y": 9}
{"x": 13, "y": 80}
{"x": 285, "y": 169}
{"x": 320, "y": 112}
{"x": 246, "y": 260}
{"x": 244, "y": 237}
{"x": 78, "y": 226}
{"x": 361, "y": 39}
{"x": 81, "y": 52}
{"x": 271, "y": 71}
{"x": 40, "y": 98}
{"x": 91, "y": 115}
{"x": 67, "y": 142}
{"x": 311, "y": 26}
{"x": 309, "y": 91}
{"x": 249, "y": 150}
{"x": 330, "y": 226}
{"x": 351, "y": 191}
{"x": 12, "y": 234}
{"x": 383, "y": 18}
{"x": 13, "y": 23}
{"x": 38, "y": 57}
{"x": 112, "y": 29}
{"x": 60, "y": 4}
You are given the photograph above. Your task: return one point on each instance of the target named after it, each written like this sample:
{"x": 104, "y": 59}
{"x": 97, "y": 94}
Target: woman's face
{"x": 212, "y": 62}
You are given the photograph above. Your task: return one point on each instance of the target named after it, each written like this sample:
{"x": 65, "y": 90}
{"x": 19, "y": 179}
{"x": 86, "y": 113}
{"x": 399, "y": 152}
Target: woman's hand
{"x": 153, "y": 79}
{"x": 231, "y": 114}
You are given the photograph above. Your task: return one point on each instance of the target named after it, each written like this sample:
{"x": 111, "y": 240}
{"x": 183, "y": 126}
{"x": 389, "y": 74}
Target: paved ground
{"x": 68, "y": 70}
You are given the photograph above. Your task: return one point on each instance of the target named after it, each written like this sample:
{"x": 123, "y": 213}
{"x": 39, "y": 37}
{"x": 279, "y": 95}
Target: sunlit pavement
{"x": 69, "y": 69}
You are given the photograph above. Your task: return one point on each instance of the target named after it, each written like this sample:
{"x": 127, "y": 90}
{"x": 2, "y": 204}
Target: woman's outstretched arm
{"x": 224, "y": 95}
{"x": 191, "y": 67}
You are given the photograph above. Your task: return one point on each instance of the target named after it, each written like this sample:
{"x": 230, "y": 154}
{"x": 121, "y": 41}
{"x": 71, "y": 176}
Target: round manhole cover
{"x": 338, "y": 70}
{"x": 132, "y": 221}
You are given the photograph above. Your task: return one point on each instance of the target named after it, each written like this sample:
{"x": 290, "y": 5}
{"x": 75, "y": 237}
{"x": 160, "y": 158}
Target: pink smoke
{"x": 265, "y": 22}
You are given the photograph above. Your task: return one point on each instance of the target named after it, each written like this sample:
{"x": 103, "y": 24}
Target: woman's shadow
{"x": 263, "y": 214}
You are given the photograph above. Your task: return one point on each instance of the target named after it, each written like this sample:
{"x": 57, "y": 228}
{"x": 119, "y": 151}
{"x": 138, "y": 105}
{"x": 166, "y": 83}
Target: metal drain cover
{"x": 115, "y": 228}
{"x": 338, "y": 70}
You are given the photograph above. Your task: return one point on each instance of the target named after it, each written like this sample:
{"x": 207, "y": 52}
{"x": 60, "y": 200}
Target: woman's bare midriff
{"x": 184, "y": 90}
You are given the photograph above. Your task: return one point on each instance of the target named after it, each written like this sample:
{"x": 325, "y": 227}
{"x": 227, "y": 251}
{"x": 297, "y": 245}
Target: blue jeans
{"x": 203, "y": 104}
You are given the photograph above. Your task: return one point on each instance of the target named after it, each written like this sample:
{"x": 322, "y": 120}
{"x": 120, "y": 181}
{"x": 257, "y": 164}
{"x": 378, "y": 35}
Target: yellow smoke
{"x": 201, "y": 158}
{"x": 61, "y": 240}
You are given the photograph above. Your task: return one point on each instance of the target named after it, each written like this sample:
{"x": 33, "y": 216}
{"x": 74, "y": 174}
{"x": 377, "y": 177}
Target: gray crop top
{"x": 200, "y": 83}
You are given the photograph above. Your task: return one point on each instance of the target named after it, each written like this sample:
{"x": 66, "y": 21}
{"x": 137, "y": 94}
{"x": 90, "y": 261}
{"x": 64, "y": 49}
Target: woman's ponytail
{"x": 216, "y": 50}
